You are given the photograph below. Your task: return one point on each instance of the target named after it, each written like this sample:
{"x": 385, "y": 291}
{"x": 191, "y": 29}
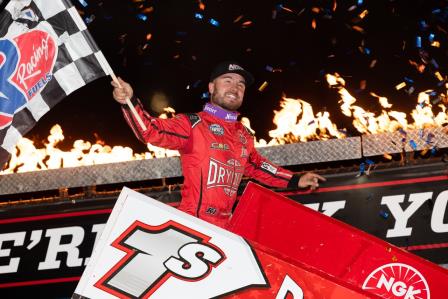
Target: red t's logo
{"x": 156, "y": 253}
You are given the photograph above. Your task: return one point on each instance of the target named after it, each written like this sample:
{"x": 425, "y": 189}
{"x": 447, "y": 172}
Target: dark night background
{"x": 183, "y": 49}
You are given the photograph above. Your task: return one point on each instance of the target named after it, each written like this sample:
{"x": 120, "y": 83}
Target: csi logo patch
{"x": 26, "y": 64}
{"x": 219, "y": 146}
{"x": 397, "y": 280}
{"x": 216, "y": 129}
{"x": 155, "y": 254}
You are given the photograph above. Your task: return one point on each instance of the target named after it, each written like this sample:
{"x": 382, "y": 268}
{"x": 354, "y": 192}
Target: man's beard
{"x": 218, "y": 99}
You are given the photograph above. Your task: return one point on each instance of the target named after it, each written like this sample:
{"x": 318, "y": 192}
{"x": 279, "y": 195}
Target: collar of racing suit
{"x": 220, "y": 112}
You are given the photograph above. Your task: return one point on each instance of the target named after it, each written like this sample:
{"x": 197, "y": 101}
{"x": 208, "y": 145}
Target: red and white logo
{"x": 26, "y": 64}
{"x": 226, "y": 175}
{"x": 37, "y": 52}
{"x": 397, "y": 280}
{"x": 154, "y": 254}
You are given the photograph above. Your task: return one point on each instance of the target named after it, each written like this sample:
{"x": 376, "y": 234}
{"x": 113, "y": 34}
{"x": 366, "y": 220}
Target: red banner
{"x": 289, "y": 279}
{"x": 335, "y": 248}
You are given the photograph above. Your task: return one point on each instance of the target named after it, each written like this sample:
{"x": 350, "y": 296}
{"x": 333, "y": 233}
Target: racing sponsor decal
{"x": 26, "y": 62}
{"x": 225, "y": 175}
{"x": 220, "y": 146}
{"x": 211, "y": 211}
{"x": 216, "y": 129}
{"x": 244, "y": 152}
{"x": 235, "y": 67}
{"x": 397, "y": 280}
{"x": 161, "y": 252}
{"x": 269, "y": 167}
{"x": 210, "y": 109}
{"x": 243, "y": 139}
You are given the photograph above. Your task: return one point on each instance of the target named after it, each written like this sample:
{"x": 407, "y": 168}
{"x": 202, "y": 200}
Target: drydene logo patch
{"x": 225, "y": 175}
{"x": 397, "y": 280}
{"x": 26, "y": 64}
{"x": 156, "y": 253}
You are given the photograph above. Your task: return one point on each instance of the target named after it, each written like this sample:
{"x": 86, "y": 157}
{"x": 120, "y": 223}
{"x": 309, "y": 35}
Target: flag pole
{"x": 128, "y": 102}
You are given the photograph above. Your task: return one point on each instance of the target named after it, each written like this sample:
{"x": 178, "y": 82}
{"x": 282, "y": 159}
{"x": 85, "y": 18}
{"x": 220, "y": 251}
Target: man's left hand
{"x": 311, "y": 180}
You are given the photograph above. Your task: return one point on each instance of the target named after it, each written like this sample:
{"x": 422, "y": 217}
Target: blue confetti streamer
{"x": 360, "y": 2}
{"x": 431, "y": 37}
{"x": 408, "y": 80}
{"x": 418, "y": 41}
{"x": 434, "y": 63}
{"x": 367, "y": 51}
{"x": 89, "y": 19}
{"x": 421, "y": 132}
{"x": 343, "y": 131}
{"x": 213, "y": 22}
{"x": 362, "y": 168}
{"x": 403, "y": 132}
{"x": 198, "y": 16}
{"x": 423, "y": 25}
{"x": 83, "y": 3}
{"x": 384, "y": 214}
{"x": 433, "y": 151}
{"x": 205, "y": 95}
{"x": 142, "y": 17}
{"x": 429, "y": 138}
{"x": 413, "y": 144}
{"x": 269, "y": 68}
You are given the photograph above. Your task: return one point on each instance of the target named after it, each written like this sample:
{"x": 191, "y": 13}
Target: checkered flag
{"x": 46, "y": 53}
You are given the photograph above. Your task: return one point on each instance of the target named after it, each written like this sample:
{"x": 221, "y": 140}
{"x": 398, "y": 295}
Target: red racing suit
{"x": 215, "y": 154}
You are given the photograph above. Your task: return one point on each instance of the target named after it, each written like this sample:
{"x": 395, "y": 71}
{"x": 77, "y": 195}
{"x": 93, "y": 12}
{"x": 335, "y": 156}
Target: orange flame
{"x": 29, "y": 158}
{"x": 295, "y": 122}
{"x": 388, "y": 121}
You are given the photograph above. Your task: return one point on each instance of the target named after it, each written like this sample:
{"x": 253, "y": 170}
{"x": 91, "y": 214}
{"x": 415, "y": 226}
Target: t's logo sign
{"x": 156, "y": 253}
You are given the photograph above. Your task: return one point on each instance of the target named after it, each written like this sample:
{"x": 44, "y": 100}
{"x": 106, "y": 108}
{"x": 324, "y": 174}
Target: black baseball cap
{"x": 231, "y": 67}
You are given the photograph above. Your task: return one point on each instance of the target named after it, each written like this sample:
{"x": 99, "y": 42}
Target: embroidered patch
{"x": 216, "y": 129}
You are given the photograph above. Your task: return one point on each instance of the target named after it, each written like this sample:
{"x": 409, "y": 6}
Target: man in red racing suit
{"x": 216, "y": 150}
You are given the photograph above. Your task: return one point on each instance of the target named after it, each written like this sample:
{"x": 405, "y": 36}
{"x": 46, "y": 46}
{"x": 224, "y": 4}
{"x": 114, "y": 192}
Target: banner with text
{"x": 151, "y": 250}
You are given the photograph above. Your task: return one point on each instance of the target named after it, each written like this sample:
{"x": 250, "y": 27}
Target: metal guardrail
{"x": 415, "y": 140}
{"x": 284, "y": 155}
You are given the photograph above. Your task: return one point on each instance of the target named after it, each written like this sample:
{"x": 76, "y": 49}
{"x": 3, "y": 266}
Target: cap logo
{"x": 234, "y": 67}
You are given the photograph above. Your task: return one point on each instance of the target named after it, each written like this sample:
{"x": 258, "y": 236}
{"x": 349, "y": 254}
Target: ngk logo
{"x": 397, "y": 280}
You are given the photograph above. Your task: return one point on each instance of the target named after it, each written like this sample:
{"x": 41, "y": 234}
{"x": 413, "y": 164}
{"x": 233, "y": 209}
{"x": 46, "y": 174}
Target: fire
{"x": 389, "y": 120}
{"x": 295, "y": 122}
{"x": 29, "y": 158}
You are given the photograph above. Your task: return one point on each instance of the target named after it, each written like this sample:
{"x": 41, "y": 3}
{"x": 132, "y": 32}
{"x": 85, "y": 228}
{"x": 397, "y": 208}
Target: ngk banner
{"x": 151, "y": 250}
{"x": 335, "y": 248}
